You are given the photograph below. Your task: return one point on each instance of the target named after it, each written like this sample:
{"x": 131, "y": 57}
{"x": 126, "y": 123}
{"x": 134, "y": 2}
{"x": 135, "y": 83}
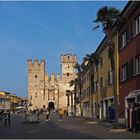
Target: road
{"x": 70, "y": 128}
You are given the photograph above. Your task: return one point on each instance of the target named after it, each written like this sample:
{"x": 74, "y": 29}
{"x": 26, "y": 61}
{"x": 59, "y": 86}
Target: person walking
{"x": 61, "y": 113}
{"x": 38, "y": 114}
{"x": 7, "y": 117}
{"x": 138, "y": 119}
{"x": 134, "y": 121}
{"x": 47, "y": 114}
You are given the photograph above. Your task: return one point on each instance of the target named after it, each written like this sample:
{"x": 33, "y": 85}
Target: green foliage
{"x": 92, "y": 58}
{"x": 78, "y": 67}
{"x": 107, "y": 17}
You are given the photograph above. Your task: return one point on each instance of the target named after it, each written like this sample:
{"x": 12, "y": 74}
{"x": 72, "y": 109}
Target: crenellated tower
{"x": 36, "y": 82}
{"x": 68, "y": 62}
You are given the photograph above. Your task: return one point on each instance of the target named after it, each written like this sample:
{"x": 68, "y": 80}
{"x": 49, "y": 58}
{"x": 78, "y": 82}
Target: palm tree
{"x": 79, "y": 69}
{"x": 93, "y": 58}
{"x": 110, "y": 18}
{"x": 75, "y": 83}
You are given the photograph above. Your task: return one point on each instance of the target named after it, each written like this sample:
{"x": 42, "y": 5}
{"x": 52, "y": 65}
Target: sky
{"x": 45, "y": 30}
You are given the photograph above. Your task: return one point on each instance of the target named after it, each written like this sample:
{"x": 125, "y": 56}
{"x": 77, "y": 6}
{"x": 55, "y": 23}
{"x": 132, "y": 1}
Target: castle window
{"x": 36, "y": 95}
{"x": 35, "y": 76}
{"x": 68, "y": 66}
{"x": 68, "y": 56}
{"x": 44, "y": 96}
{"x": 68, "y": 74}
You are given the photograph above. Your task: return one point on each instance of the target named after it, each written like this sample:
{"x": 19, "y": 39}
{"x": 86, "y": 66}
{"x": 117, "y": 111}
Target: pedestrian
{"x": 7, "y": 117}
{"x": 61, "y": 113}
{"x": 47, "y": 114}
{"x": 134, "y": 122}
{"x": 38, "y": 113}
{"x": 138, "y": 118}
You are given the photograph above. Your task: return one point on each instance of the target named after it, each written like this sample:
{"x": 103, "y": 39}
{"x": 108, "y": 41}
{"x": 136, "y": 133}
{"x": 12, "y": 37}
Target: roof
{"x": 5, "y": 92}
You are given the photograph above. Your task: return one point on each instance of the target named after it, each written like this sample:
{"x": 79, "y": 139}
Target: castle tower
{"x": 68, "y": 62}
{"x": 36, "y": 83}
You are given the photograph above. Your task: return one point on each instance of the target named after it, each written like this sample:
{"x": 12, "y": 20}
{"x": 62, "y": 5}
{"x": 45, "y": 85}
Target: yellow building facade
{"x": 103, "y": 96}
{"x": 4, "y": 100}
{"x": 86, "y": 91}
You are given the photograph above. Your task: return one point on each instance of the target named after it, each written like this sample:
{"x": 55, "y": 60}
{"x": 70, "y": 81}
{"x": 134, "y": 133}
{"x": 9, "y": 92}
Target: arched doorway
{"x": 51, "y": 105}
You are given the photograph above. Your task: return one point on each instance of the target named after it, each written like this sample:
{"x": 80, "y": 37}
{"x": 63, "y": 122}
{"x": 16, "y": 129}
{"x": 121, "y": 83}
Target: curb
{"x": 91, "y": 122}
{"x": 116, "y": 130}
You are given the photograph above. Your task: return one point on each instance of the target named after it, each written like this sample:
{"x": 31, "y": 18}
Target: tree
{"x": 93, "y": 58}
{"x": 75, "y": 83}
{"x": 110, "y": 18}
{"x": 78, "y": 82}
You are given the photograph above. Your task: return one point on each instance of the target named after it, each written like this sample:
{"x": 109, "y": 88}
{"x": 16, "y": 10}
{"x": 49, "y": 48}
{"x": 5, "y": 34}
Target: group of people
{"x": 48, "y": 112}
{"x": 59, "y": 111}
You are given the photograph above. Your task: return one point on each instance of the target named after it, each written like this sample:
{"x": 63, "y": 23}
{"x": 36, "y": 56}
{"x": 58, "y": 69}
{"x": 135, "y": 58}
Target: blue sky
{"x": 44, "y": 30}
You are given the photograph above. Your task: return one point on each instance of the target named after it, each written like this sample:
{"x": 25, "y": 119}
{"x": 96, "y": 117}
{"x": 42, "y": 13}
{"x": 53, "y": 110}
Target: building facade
{"x": 129, "y": 58}
{"x": 4, "y": 100}
{"x": 86, "y": 91}
{"x": 45, "y": 91}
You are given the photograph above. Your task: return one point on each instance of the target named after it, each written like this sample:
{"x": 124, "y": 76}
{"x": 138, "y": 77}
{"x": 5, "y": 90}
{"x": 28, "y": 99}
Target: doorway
{"x": 51, "y": 105}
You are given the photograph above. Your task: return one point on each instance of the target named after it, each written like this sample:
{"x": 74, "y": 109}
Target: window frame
{"x": 137, "y": 64}
{"x": 137, "y": 24}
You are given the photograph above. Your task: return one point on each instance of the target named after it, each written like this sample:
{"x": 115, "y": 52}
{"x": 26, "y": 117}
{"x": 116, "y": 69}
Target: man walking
{"x": 7, "y": 117}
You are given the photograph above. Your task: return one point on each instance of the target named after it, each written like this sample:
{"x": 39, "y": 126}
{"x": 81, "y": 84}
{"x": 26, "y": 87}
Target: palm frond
{"x": 107, "y": 17}
{"x": 96, "y": 27}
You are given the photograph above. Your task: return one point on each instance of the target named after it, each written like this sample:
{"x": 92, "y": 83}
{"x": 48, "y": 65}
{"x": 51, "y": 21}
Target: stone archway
{"x": 51, "y": 105}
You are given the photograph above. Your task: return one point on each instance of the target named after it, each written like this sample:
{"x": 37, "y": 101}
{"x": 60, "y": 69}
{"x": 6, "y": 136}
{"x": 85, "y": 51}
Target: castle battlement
{"x": 29, "y": 61}
{"x": 58, "y": 77}
{"x": 35, "y": 65}
{"x": 68, "y": 58}
{"x": 36, "y": 62}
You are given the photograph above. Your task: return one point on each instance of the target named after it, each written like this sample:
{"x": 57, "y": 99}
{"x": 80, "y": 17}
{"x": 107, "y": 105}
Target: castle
{"x": 45, "y": 91}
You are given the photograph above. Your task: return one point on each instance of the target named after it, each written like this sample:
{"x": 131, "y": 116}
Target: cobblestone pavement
{"x": 98, "y": 130}
{"x": 71, "y": 127}
{"x": 42, "y": 130}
